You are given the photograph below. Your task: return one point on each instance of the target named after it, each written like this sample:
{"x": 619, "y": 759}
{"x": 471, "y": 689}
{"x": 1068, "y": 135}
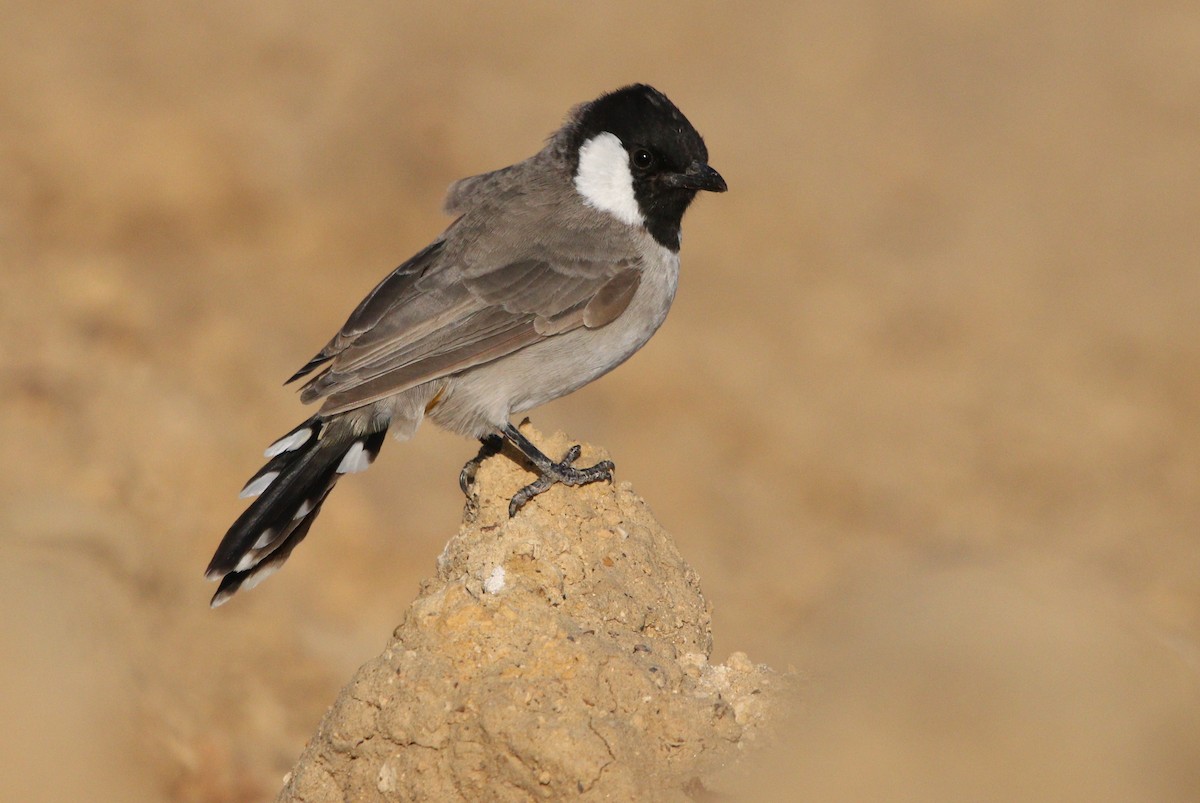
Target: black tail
{"x": 305, "y": 464}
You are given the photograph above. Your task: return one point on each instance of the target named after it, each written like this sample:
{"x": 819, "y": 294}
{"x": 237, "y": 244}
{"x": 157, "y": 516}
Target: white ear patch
{"x": 604, "y": 179}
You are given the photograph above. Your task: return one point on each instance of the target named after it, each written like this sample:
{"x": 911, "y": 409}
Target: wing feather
{"x": 394, "y": 287}
{"x": 427, "y": 321}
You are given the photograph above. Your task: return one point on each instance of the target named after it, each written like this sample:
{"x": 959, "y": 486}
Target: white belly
{"x": 483, "y": 398}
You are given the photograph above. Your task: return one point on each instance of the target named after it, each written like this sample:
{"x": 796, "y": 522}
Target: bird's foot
{"x": 490, "y": 445}
{"x": 563, "y": 471}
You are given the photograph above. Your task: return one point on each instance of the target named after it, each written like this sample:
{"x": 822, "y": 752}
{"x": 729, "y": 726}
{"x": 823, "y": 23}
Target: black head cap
{"x": 667, "y": 155}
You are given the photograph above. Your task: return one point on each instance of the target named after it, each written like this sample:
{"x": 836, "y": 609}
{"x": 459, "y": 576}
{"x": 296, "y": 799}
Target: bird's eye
{"x": 643, "y": 159}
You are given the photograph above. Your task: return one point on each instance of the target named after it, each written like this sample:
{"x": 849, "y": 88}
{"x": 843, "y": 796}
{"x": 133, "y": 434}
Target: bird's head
{"x": 635, "y": 156}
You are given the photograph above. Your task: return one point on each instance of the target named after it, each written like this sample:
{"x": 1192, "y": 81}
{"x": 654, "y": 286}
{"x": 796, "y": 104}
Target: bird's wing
{"x": 427, "y": 321}
{"x": 375, "y": 305}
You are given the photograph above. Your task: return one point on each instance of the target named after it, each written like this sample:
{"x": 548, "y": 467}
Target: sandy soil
{"x": 925, "y": 417}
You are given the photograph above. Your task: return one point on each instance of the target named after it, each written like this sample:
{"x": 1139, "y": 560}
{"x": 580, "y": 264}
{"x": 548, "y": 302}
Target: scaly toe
{"x": 540, "y": 485}
{"x": 562, "y": 472}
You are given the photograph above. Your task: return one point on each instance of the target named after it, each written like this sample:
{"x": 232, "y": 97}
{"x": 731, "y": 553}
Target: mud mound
{"x": 560, "y": 653}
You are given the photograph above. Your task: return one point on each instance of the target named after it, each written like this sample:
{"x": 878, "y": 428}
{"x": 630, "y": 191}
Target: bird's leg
{"x": 550, "y": 472}
{"x": 491, "y": 444}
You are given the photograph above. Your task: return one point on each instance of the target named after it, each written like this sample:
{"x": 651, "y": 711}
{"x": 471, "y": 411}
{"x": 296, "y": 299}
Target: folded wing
{"x": 426, "y": 321}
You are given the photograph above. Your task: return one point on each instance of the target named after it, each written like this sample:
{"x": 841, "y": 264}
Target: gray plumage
{"x": 548, "y": 278}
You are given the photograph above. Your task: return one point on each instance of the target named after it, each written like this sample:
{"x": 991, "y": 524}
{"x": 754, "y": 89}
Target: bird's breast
{"x": 564, "y": 363}
{"x": 485, "y": 396}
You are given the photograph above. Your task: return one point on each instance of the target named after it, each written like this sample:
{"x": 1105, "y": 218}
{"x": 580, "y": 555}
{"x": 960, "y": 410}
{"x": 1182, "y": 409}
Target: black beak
{"x": 698, "y": 176}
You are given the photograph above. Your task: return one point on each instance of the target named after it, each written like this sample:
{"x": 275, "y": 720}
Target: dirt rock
{"x": 560, "y": 653}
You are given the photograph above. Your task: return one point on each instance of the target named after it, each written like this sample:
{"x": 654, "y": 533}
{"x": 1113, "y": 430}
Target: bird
{"x": 554, "y": 271}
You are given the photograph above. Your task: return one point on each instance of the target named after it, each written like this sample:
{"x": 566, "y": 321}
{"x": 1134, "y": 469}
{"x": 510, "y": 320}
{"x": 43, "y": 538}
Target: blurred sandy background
{"x": 925, "y": 417}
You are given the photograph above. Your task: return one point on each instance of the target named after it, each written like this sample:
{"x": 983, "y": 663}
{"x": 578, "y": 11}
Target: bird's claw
{"x": 489, "y": 445}
{"x": 564, "y": 472}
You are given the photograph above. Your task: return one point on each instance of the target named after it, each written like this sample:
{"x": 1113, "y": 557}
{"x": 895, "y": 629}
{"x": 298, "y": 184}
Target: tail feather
{"x": 283, "y": 453}
{"x": 304, "y": 466}
{"x": 267, "y": 566}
